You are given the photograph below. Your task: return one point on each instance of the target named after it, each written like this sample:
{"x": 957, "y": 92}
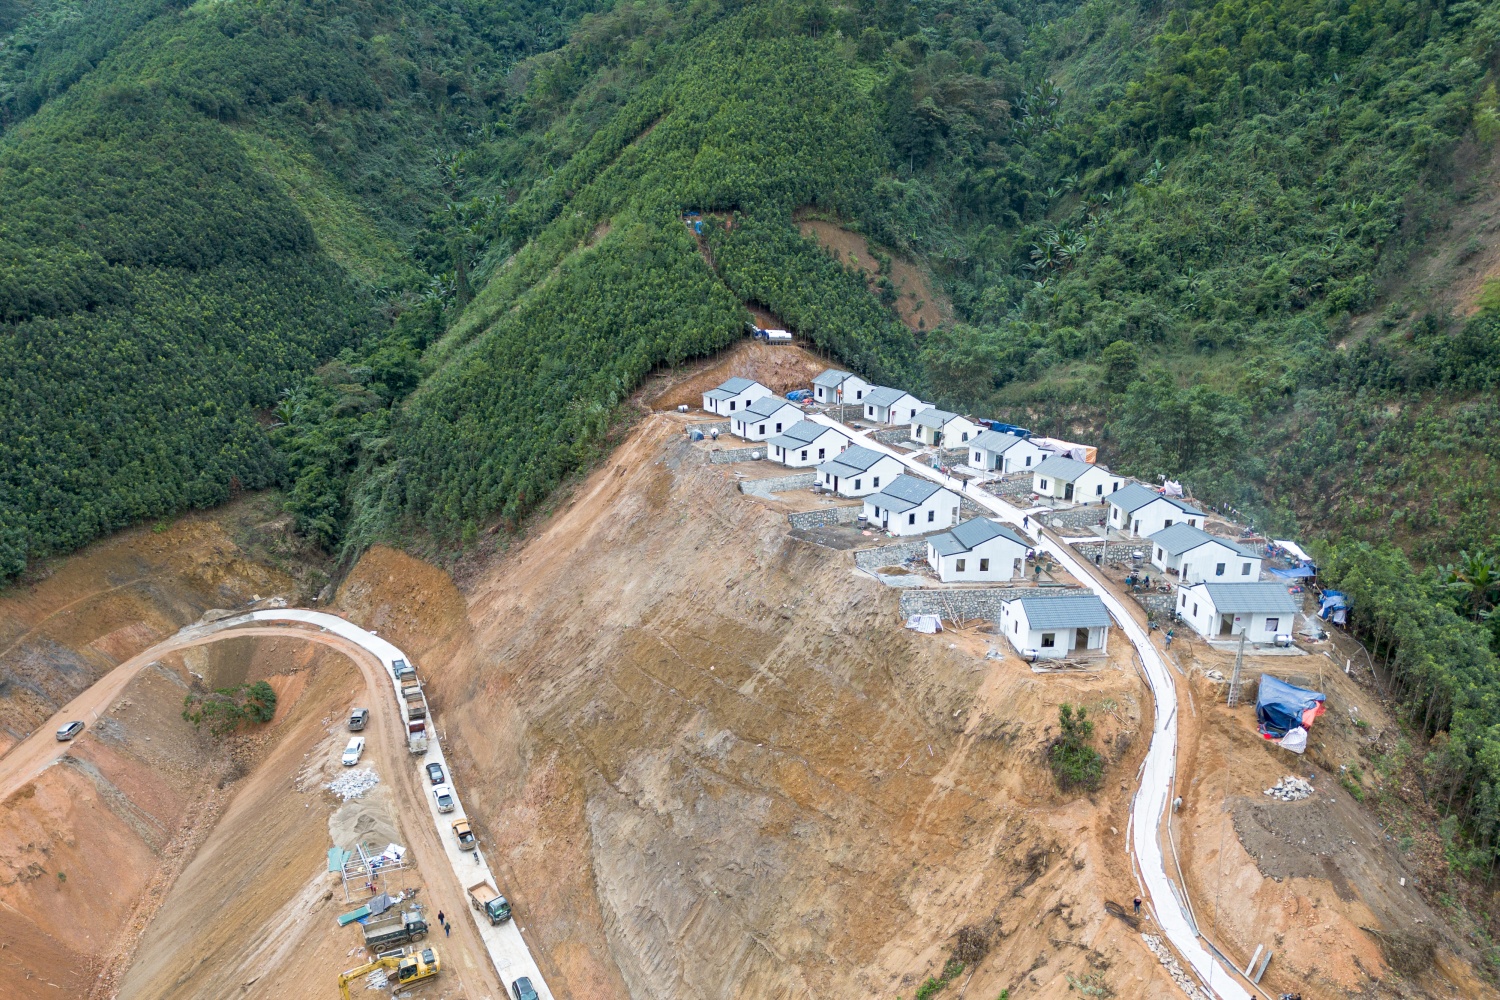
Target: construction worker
{"x": 1137, "y": 905}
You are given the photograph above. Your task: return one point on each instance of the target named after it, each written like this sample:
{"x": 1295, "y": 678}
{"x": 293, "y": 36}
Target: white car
{"x": 443, "y": 795}
{"x": 353, "y": 750}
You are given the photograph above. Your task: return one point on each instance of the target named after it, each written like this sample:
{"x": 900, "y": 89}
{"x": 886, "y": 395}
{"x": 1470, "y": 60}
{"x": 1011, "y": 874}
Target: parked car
{"x": 69, "y": 731}
{"x": 358, "y": 719}
{"x": 443, "y": 795}
{"x": 353, "y": 750}
{"x": 435, "y": 773}
{"x": 522, "y": 989}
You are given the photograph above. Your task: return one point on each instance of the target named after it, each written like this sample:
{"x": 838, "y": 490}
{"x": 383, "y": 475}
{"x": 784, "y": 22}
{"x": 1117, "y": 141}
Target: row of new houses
{"x": 1219, "y": 593}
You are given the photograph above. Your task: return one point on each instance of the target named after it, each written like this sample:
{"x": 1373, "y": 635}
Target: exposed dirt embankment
{"x": 67, "y": 624}
{"x": 712, "y": 764}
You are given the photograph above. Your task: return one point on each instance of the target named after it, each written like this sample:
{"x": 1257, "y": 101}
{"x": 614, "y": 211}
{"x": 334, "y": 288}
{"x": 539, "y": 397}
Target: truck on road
{"x": 464, "y": 835}
{"x": 416, "y": 736}
{"x": 487, "y": 900}
{"x": 393, "y": 927}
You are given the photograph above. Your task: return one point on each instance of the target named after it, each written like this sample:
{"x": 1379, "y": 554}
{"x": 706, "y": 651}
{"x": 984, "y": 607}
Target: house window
{"x": 827, "y": 479}
{"x": 1159, "y": 556}
{"x": 1099, "y": 490}
{"x": 1049, "y": 639}
{"x": 1044, "y": 484}
{"x": 978, "y": 459}
{"x": 931, "y": 516}
{"x": 870, "y": 411}
{"x": 1015, "y": 629}
{"x": 1192, "y": 522}
{"x": 820, "y": 454}
{"x": 1245, "y": 569}
{"x": 1195, "y": 610}
{"x": 1219, "y": 570}
{"x": 856, "y": 484}
{"x": 1116, "y": 514}
{"x": 911, "y": 518}
{"x": 859, "y": 394}
{"x": 958, "y": 566}
{"x": 1137, "y": 529}
{"x": 1028, "y": 461}
{"x": 1167, "y": 523}
{"x": 804, "y": 454}
{"x": 1271, "y": 624}
{"x": 876, "y": 482}
{"x": 1182, "y": 603}
{"x": 731, "y": 404}
{"x": 984, "y": 565}
{"x": 778, "y": 428}
{"x": 965, "y": 437}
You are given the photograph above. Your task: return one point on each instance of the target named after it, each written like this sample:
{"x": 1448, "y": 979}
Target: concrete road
{"x": 1150, "y": 803}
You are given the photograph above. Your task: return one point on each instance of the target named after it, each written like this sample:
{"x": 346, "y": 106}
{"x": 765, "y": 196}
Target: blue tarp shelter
{"x": 1333, "y": 606}
{"x": 1281, "y": 706}
{"x": 1296, "y": 572}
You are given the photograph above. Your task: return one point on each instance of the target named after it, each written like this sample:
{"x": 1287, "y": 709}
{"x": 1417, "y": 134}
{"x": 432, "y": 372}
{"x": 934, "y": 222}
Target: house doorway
{"x": 1226, "y": 625}
{"x": 1067, "y": 491}
{"x": 1081, "y": 639}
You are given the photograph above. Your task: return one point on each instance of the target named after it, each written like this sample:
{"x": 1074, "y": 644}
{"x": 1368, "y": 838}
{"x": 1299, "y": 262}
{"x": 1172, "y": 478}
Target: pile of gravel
{"x": 353, "y": 784}
{"x": 1290, "y": 789}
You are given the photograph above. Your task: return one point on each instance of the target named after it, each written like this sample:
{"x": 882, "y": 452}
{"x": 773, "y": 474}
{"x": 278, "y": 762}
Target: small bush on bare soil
{"x": 226, "y": 709}
{"x": 972, "y": 945}
{"x": 1075, "y": 762}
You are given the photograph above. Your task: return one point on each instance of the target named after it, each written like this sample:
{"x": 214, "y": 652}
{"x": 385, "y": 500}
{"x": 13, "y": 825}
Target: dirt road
{"x": 464, "y": 953}
{"x": 1150, "y": 802}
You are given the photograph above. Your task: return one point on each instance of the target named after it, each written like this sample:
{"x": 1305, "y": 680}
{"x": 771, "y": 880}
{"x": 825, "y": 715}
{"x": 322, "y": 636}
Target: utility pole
{"x": 1234, "y": 681}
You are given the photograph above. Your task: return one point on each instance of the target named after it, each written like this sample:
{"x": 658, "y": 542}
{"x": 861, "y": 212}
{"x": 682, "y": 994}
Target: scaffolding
{"x": 364, "y": 868}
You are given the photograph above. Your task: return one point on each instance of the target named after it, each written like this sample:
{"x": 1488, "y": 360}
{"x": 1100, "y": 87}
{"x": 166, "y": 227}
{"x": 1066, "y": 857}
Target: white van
{"x": 353, "y": 750}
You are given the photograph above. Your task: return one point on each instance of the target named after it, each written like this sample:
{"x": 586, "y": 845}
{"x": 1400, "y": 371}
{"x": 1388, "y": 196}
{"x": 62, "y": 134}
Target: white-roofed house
{"x": 1069, "y": 479}
{"x": 1055, "y": 626}
{"x": 806, "y": 443}
{"x": 1221, "y": 610}
{"x": 858, "y": 471}
{"x": 996, "y": 451}
{"x": 910, "y": 505}
{"x": 834, "y": 386}
{"x": 884, "y": 405}
{"x": 978, "y": 550}
{"x": 765, "y": 418}
{"x": 942, "y": 429}
{"x": 1141, "y": 511}
{"x": 733, "y": 395}
{"x": 1195, "y": 555}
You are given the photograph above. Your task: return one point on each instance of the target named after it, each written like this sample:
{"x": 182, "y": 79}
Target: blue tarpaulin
{"x": 1333, "y": 607}
{"x": 1281, "y": 706}
{"x": 1296, "y": 572}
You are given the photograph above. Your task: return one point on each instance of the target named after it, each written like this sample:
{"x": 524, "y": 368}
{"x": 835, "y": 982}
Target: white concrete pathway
{"x": 1160, "y": 766}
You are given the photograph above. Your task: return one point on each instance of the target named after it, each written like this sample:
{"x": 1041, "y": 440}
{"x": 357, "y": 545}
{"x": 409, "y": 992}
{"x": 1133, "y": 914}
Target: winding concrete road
{"x": 1148, "y": 809}
{"x": 506, "y": 948}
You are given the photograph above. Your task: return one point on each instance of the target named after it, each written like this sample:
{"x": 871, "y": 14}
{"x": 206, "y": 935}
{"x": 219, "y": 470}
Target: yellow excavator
{"x": 409, "y": 969}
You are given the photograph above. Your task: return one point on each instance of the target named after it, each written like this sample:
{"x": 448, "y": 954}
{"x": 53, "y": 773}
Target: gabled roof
{"x": 852, "y": 461}
{"x": 801, "y": 433}
{"x": 1135, "y": 496}
{"x": 1065, "y": 469}
{"x": 884, "y": 396}
{"x": 970, "y": 535}
{"x": 1073, "y": 611}
{"x": 832, "y": 378}
{"x": 1182, "y": 537}
{"x": 731, "y": 387}
{"x": 904, "y": 493}
{"x": 934, "y": 418}
{"x": 765, "y": 406}
{"x": 1249, "y": 598}
{"x": 995, "y": 441}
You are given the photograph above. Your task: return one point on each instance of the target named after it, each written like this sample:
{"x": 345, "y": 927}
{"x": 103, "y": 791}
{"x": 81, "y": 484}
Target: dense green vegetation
{"x": 1074, "y": 761}
{"x": 227, "y": 709}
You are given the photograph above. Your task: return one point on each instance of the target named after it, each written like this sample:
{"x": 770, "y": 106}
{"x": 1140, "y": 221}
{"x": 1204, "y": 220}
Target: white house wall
{"x": 1153, "y": 517}
{"x": 736, "y": 404}
{"x": 870, "y": 481}
{"x": 1201, "y": 564}
{"x": 823, "y": 448}
{"x": 777, "y": 423}
{"x": 1001, "y": 553}
{"x": 937, "y": 513}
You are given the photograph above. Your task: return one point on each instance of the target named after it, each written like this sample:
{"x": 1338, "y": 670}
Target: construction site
{"x": 697, "y": 754}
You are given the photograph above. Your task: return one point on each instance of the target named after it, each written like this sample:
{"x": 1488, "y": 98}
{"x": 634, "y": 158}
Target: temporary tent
{"x": 1281, "y": 707}
{"x": 1333, "y": 607}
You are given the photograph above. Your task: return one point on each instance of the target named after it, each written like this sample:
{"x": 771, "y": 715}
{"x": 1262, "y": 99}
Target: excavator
{"x": 409, "y": 969}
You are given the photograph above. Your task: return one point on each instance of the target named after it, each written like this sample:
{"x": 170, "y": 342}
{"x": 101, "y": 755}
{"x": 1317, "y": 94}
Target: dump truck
{"x": 403, "y": 670}
{"x": 464, "y": 834}
{"x": 487, "y": 900}
{"x": 404, "y": 969}
{"x": 394, "y": 927}
{"x": 416, "y": 736}
{"x": 416, "y": 703}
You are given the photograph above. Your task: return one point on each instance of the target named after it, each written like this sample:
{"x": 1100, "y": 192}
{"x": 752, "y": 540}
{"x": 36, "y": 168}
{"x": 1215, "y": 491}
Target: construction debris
{"x": 1174, "y": 968}
{"x": 1290, "y": 789}
{"x": 353, "y": 784}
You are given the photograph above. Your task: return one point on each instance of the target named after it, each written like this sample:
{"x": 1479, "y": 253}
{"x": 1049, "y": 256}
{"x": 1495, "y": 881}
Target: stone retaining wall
{"x": 1076, "y": 517}
{"x": 1016, "y": 484}
{"x": 1161, "y": 604}
{"x": 894, "y": 435}
{"x": 722, "y": 426}
{"x": 779, "y": 484}
{"x": 825, "y": 518}
{"x": 728, "y": 456}
{"x": 890, "y": 555}
{"x": 975, "y": 603}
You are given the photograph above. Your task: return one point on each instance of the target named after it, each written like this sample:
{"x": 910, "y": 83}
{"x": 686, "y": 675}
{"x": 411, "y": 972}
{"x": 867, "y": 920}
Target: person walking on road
{"x": 447, "y": 930}
{"x": 440, "y": 917}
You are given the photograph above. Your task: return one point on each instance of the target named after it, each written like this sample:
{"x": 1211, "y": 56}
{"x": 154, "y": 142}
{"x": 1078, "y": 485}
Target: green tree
{"x": 1121, "y": 364}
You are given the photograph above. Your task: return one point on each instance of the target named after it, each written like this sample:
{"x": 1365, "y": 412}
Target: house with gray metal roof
{"x": 1262, "y": 611}
{"x": 978, "y": 550}
{"x": 1194, "y": 556}
{"x": 1049, "y": 627}
{"x": 858, "y": 471}
{"x": 912, "y": 505}
{"x": 942, "y": 429}
{"x": 732, "y": 395}
{"x": 1141, "y": 512}
{"x": 765, "y": 418}
{"x": 806, "y": 443}
{"x": 884, "y": 405}
{"x": 996, "y": 451}
{"x": 834, "y": 386}
{"x": 1069, "y": 479}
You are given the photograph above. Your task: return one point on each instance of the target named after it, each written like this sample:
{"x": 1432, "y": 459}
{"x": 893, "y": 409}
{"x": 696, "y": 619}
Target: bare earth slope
{"x": 716, "y": 766}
